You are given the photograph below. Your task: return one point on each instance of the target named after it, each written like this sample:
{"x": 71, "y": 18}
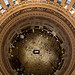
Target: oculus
{"x": 36, "y": 51}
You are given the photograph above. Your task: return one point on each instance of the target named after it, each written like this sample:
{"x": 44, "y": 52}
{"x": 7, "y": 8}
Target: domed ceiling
{"x": 36, "y": 51}
{"x": 37, "y": 37}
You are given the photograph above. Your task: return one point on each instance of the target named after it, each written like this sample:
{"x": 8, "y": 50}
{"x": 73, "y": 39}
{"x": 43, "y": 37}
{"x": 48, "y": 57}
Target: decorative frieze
{"x": 41, "y": 9}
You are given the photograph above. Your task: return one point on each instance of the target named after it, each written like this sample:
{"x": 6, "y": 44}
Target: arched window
{"x": 1, "y": 8}
{"x": 72, "y": 11}
{"x": 68, "y": 2}
{"x": 7, "y": 3}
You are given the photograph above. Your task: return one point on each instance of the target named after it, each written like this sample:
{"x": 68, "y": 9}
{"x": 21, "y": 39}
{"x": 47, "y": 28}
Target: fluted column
{"x": 63, "y": 2}
{"x": 55, "y": 1}
{"x": 11, "y": 2}
{"x": 70, "y": 5}
{"x": 3, "y": 4}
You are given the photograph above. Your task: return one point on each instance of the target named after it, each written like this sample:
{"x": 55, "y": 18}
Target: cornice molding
{"x": 41, "y": 9}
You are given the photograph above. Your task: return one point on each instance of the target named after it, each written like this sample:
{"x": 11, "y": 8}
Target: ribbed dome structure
{"x": 37, "y": 37}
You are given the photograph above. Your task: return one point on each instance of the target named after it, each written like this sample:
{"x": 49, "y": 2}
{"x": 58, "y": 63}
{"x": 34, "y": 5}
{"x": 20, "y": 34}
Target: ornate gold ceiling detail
{"x": 20, "y": 16}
